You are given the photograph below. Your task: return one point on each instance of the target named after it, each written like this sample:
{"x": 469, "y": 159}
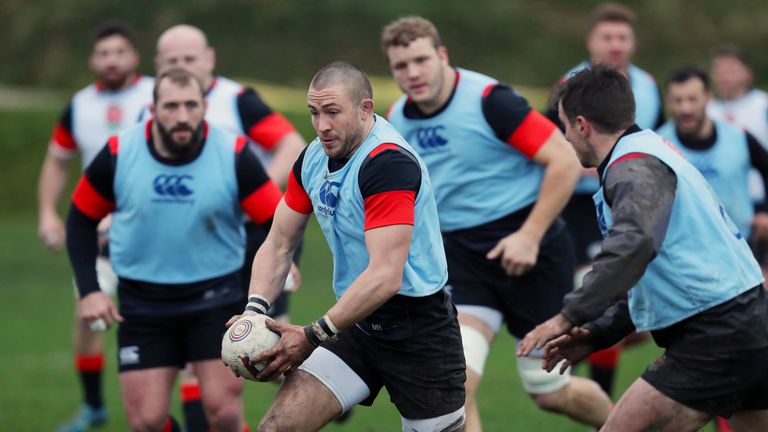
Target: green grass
{"x": 39, "y": 388}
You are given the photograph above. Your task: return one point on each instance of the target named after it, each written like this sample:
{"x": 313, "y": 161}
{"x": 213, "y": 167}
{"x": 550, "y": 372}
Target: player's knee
{"x": 476, "y": 348}
{"x": 145, "y": 421}
{"x": 554, "y": 401}
{"x": 225, "y": 417}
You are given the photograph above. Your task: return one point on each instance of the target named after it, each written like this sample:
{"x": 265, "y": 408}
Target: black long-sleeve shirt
{"x": 640, "y": 192}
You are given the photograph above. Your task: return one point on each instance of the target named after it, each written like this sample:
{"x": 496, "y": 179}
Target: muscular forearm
{"x": 557, "y": 186}
{"x": 269, "y": 270}
{"x": 369, "y": 292}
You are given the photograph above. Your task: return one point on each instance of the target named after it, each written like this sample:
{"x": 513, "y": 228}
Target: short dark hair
{"x": 403, "y": 31}
{"x": 354, "y": 79}
{"x": 114, "y": 28}
{"x": 684, "y": 73}
{"x": 180, "y": 76}
{"x": 613, "y": 12}
{"x": 600, "y": 94}
{"x": 732, "y": 51}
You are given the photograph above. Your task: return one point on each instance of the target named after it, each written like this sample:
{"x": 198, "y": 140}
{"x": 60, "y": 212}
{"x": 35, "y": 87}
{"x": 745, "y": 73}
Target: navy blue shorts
{"x": 717, "y": 361}
{"x": 172, "y": 340}
{"x": 524, "y": 301}
{"x": 412, "y": 346}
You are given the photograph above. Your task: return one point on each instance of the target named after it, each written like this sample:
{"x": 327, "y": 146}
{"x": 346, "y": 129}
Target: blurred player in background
{"x": 502, "y": 173}
{"x": 737, "y": 101}
{"x": 241, "y": 111}
{"x": 672, "y": 263}
{"x": 610, "y": 42}
{"x": 103, "y": 108}
{"x": 393, "y": 325}
{"x": 178, "y": 188}
{"x": 722, "y": 152}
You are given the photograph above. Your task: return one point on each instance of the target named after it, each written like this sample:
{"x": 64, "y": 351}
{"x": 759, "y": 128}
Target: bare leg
{"x": 302, "y": 404}
{"x": 147, "y": 397}
{"x": 581, "y": 399}
{"x": 221, "y": 392}
{"x": 750, "y": 421}
{"x": 642, "y": 408}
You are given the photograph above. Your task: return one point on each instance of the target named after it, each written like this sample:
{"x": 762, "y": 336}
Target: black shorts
{"x": 411, "y": 346}
{"x": 255, "y": 236}
{"x": 160, "y": 341}
{"x": 717, "y": 361}
{"x": 581, "y": 219}
{"x": 524, "y": 301}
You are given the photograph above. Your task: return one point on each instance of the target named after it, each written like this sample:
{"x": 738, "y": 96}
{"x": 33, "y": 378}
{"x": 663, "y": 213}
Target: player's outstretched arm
{"x": 273, "y": 259}
{"x": 518, "y": 251}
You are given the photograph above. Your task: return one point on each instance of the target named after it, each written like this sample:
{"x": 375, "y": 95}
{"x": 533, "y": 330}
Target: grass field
{"x": 38, "y": 388}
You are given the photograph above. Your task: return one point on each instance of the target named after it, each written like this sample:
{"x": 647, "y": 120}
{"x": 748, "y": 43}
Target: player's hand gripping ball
{"x": 245, "y": 339}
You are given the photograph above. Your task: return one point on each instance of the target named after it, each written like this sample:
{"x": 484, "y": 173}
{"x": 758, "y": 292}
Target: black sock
{"x": 194, "y": 416}
{"x": 89, "y": 368}
{"x": 92, "y": 388}
{"x": 192, "y": 407}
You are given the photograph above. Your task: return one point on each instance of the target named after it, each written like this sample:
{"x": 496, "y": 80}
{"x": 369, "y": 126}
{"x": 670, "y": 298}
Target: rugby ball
{"x": 245, "y": 339}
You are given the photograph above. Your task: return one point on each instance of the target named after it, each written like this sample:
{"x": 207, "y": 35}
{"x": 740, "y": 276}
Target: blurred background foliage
{"x": 46, "y": 42}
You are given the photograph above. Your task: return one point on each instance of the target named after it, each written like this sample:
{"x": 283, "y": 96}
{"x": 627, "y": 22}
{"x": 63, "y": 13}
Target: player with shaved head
{"x": 393, "y": 324}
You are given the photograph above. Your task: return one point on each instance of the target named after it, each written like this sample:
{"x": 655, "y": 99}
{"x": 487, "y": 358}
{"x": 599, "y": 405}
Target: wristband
{"x": 257, "y": 304}
{"x": 320, "y": 331}
{"x": 313, "y": 339}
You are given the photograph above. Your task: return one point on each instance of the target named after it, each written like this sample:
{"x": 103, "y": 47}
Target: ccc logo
{"x": 172, "y": 185}
{"x": 431, "y": 137}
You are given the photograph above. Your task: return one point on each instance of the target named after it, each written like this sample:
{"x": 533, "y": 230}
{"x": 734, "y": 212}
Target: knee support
{"x": 476, "y": 348}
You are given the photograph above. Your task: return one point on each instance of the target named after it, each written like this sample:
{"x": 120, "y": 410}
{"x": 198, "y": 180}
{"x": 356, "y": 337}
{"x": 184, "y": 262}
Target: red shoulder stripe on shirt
{"x": 240, "y": 143}
{"x": 260, "y": 205}
{"x": 296, "y": 197}
{"x": 488, "y": 89}
{"x": 627, "y": 157}
{"x": 381, "y": 148}
{"x": 113, "y": 144}
{"x": 270, "y": 130}
{"x": 63, "y": 138}
{"x": 90, "y": 202}
{"x": 532, "y": 133}
{"x": 389, "y": 208}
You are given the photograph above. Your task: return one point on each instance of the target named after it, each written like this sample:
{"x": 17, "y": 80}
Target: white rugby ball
{"x": 245, "y": 339}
